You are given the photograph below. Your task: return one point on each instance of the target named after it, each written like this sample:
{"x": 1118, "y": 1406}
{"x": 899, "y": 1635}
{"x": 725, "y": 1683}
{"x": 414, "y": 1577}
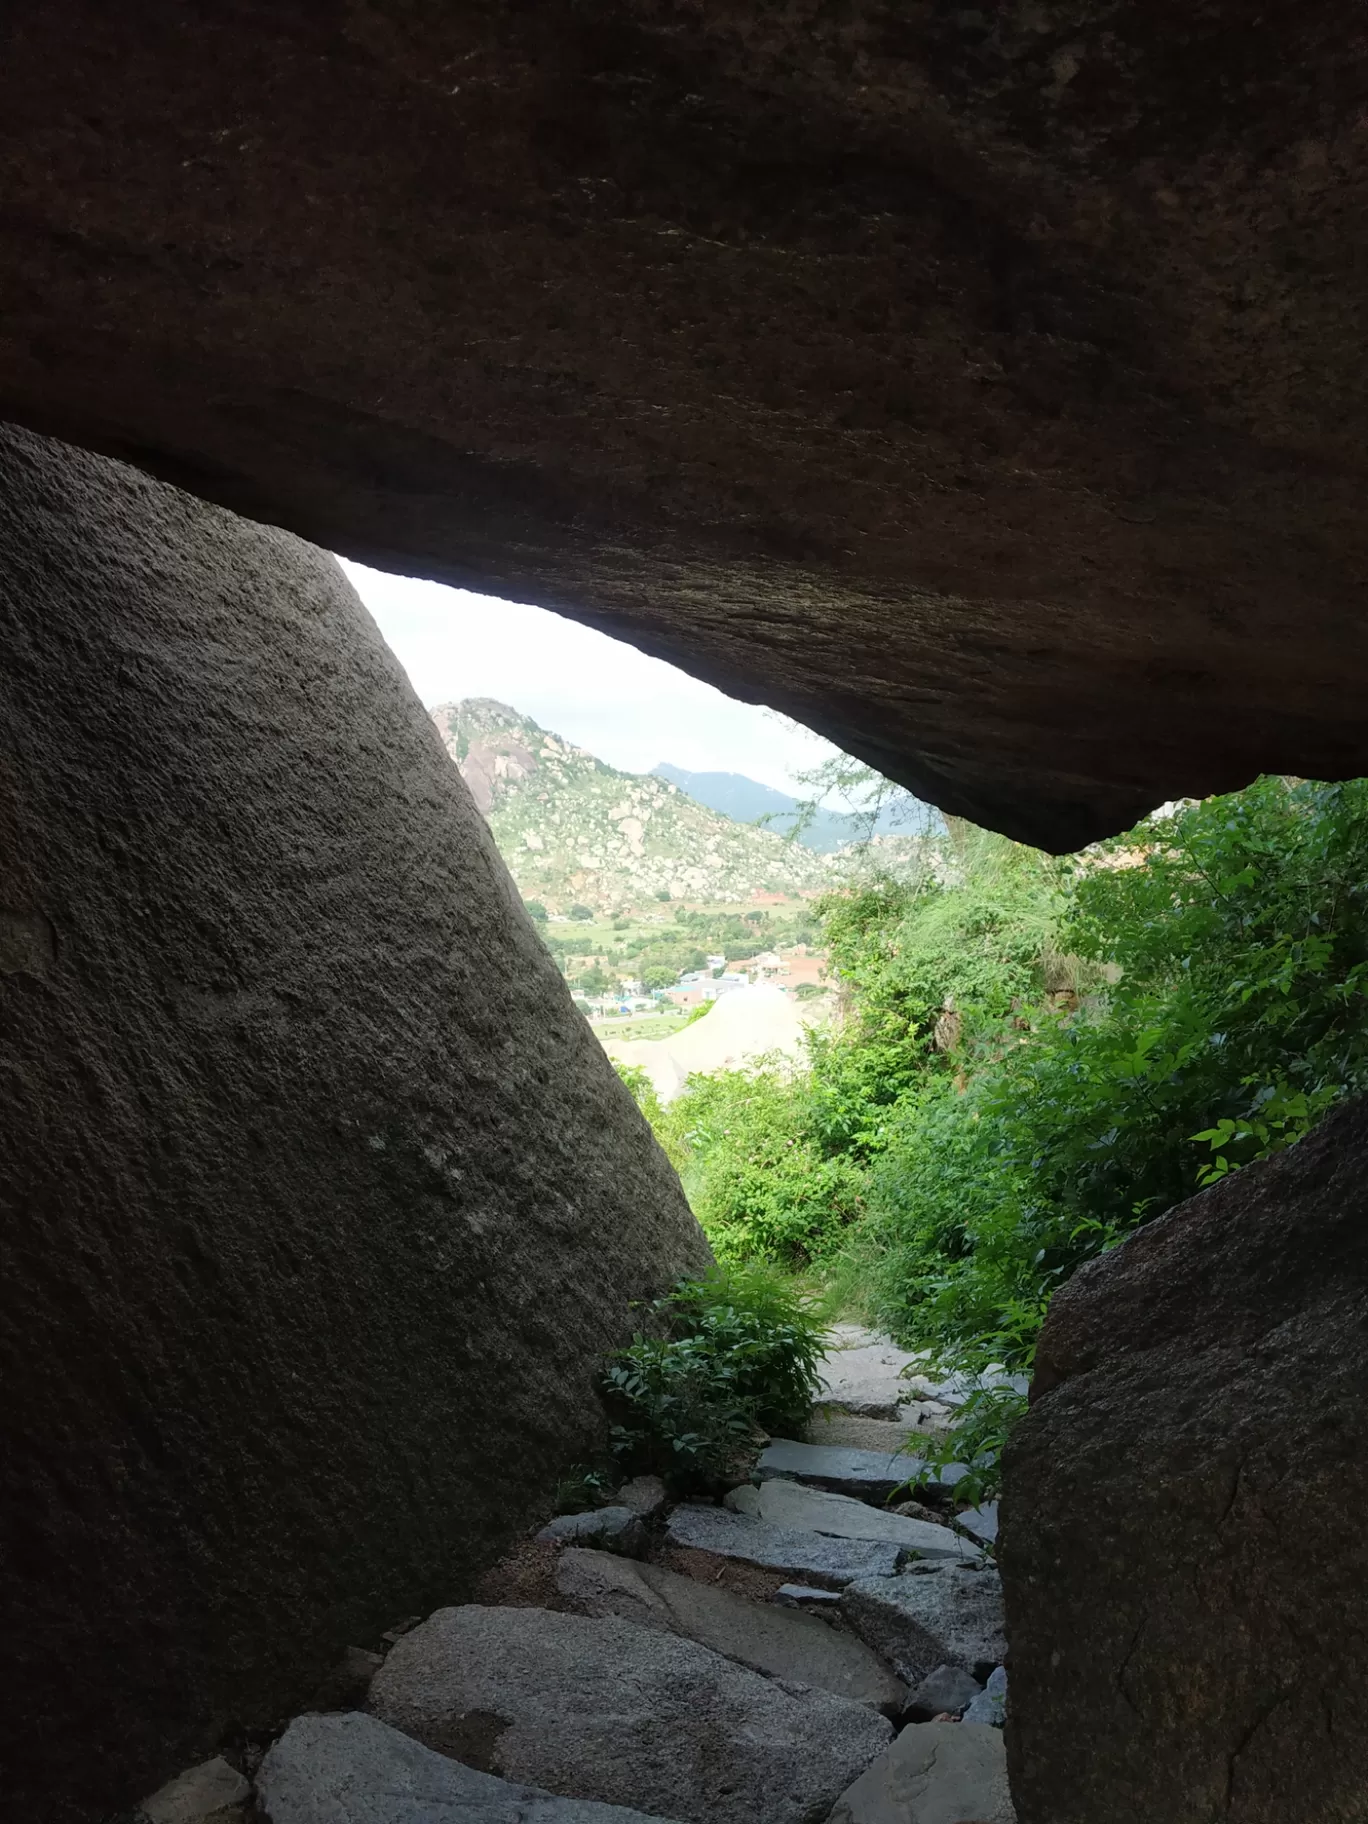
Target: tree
{"x": 595, "y": 980}
{"x": 536, "y": 911}
{"x": 582, "y": 913}
{"x": 658, "y": 975}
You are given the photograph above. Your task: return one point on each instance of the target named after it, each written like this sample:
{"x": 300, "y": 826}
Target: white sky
{"x": 630, "y": 710}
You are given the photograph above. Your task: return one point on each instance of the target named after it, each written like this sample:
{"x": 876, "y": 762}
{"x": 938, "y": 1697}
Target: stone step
{"x": 607, "y": 1710}
{"x": 933, "y": 1614}
{"x": 790, "y": 1504}
{"x": 866, "y": 1373}
{"x": 831, "y": 1563}
{"x": 828, "y": 1426}
{"x": 871, "y": 1475}
{"x": 779, "y": 1642}
{"x": 934, "y": 1773}
{"x": 354, "y": 1769}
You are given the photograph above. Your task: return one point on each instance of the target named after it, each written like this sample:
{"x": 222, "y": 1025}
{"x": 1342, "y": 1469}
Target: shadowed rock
{"x": 323, "y": 1204}
{"x": 357, "y": 1770}
{"x": 1186, "y": 1578}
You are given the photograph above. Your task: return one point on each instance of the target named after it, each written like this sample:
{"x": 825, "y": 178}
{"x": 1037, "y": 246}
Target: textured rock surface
{"x": 935, "y": 1773}
{"x": 834, "y": 1562}
{"x": 318, "y": 1189}
{"x": 197, "y": 1794}
{"x": 931, "y": 1615}
{"x": 1180, "y": 1512}
{"x": 865, "y": 1373}
{"x": 948, "y": 1688}
{"x": 607, "y": 1710}
{"x": 357, "y": 1770}
{"x": 766, "y": 1637}
{"x": 982, "y": 384}
{"x": 871, "y": 1474}
{"x": 783, "y": 1503}
{"x": 614, "y": 1529}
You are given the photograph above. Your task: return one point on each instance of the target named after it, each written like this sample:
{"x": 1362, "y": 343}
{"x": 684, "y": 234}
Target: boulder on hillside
{"x": 607, "y": 1710}
{"x": 1185, "y": 1567}
{"x": 324, "y": 1204}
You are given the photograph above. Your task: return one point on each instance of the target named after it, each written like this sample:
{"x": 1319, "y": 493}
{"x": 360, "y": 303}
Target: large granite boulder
{"x": 322, "y": 1203}
{"x": 982, "y": 384}
{"x": 1185, "y": 1566}
{"x": 604, "y": 1709}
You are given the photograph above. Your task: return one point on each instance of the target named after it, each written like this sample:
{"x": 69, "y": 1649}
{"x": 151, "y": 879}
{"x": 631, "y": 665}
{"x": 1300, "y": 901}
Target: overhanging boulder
{"x": 983, "y": 386}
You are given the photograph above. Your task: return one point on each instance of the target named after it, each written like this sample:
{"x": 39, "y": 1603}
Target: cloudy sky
{"x": 630, "y": 710}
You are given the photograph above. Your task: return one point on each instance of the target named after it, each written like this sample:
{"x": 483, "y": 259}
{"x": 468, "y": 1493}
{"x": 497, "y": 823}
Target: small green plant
{"x": 977, "y": 1439}
{"x": 728, "y": 1356}
{"x": 583, "y": 1488}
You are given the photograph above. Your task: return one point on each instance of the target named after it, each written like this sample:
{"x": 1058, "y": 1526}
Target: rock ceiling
{"x": 982, "y": 386}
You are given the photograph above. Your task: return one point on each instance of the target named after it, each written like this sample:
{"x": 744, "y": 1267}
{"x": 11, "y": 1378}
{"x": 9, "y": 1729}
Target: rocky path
{"x": 799, "y": 1653}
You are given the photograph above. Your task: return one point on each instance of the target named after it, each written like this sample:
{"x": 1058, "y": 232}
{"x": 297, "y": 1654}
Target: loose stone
{"x": 990, "y": 1706}
{"x": 949, "y": 1690}
{"x": 611, "y": 1529}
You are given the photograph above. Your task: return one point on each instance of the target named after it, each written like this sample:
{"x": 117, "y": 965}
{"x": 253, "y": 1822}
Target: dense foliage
{"x": 1038, "y": 1055}
{"x": 719, "y": 1359}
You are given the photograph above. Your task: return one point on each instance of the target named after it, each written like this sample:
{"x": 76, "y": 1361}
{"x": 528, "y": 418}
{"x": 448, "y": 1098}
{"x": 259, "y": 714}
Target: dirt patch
{"x": 524, "y": 1579}
{"x": 704, "y": 1567}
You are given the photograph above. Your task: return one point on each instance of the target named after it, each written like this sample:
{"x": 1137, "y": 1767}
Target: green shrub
{"x": 1237, "y": 934}
{"x": 758, "y": 1185}
{"x": 725, "y": 1356}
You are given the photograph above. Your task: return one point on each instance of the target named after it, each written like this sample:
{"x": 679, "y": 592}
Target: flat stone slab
{"x": 197, "y": 1794}
{"x": 870, "y": 1474}
{"x": 865, "y": 1373}
{"x": 935, "y": 1773}
{"x": 354, "y": 1769}
{"x": 827, "y": 1426}
{"x": 767, "y": 1638}
{"x": 933, "y": 1614}
{"x": 783, "y": 1503}
{"x": 832, "y": 1563}
{"x": 627, "y": 1715}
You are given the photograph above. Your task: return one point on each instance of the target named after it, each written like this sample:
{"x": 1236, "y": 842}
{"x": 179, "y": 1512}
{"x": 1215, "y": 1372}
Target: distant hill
{"x": 747, "y": 800}
{"x": 573, "y": 829}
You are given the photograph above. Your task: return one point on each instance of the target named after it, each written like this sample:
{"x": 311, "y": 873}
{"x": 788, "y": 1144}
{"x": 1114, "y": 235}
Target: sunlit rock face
{"x": 983, "y": 385}
{"x": 1185, "y": 1571}
{"x": 322, "y": 1204}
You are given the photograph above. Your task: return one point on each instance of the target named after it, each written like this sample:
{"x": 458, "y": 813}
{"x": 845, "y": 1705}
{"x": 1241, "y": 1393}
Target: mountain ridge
{"x": 573, "y": 829}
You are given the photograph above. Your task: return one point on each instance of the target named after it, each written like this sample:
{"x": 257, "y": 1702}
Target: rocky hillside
{"x": 572, "y": 829}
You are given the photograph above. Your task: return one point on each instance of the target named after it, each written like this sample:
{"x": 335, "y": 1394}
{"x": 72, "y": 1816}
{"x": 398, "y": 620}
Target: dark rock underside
{"x": 982, "y": 386}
